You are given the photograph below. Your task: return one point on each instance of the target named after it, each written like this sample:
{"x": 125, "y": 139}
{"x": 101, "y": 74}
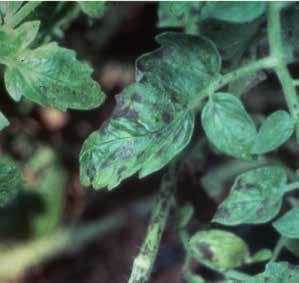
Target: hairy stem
{"x": 143, "y": 263}
{"x": 277, "y": 51}
{"x": 22, "y": 13}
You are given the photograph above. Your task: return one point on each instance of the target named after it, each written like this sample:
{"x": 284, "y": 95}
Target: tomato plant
{"x": 212, "y": 57}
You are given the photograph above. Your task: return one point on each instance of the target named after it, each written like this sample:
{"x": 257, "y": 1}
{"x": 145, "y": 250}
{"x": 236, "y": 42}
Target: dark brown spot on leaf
{"x": 166, "y": 116}
{"x": 206, "y": 251}
{"x": 222, "y": 212}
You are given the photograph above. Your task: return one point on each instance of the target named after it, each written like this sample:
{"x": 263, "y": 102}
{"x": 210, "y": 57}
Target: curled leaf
{"x": 152, "y": 121}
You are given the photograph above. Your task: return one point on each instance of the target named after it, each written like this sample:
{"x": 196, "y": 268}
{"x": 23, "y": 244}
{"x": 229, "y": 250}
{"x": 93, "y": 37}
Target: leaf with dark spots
{"x": 255, "y": 197}
{"x": 52, "y": 76}
{"x": 152, "y": 121}
{"x": 220, "y": 250}
{"x": 206, "y": 251}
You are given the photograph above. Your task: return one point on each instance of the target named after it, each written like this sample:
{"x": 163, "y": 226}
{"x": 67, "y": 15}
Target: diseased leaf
{"x": 288, "y": 224}
{"x": 277, "y": 272}
{"x": 52, "y": 76}
{"x": 255, "y": 197}
{"x": 10, "y": 180}
{"x": 3, "y": 121}
{"x": 218, "y": 249}
{"x": 275, "y": 131}
{"x": 152, "y": 121}
{"x": 228, "y": 126}
{"x": 94, "y": 9}
{"x": 235, "y": 12}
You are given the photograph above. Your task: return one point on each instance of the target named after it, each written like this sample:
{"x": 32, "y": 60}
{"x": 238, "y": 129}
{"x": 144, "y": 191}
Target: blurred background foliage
{"x": 56, "y": 231}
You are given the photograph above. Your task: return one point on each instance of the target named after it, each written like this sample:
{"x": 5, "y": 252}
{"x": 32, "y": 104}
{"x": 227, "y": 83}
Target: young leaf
{"x": 218, "y": 249}
{"x": 52, "y": 76}
{"x": 275, "y": 131}
{"x": 152, "y": 121}
{"x": 228, "y": 126}
{"x": 288, "y": 224}
{"x": 235, "y": 12}
{"x": 277, "y": 272}
{"x": 3, "y": 121}
{"x": 10, "y": 180}
{"x": 255, "y": 197}
{"x": 94, "y": 9}
{"x": 14, "y": 40}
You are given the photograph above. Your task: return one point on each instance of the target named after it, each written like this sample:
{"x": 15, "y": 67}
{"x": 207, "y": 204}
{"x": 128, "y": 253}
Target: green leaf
{"x": 12, "y": 41}
{"x": 10, "y": 180}
{"x": 288, "y": 224}
{"x": 9, "y": 8}
{"x": 190, "y": 14}
{"x": 52, "y": 76}
{"x": 48, "y": 181}
{"x": 293, "y": 246}
{"x": 220, "y": 250}
{"x": 179, "y": 14}
{"x": 277, "y": 272}
{"x": 235, "y": 12}
{"x": 275, "y": 131}
{"x": 3, "y": 121}
{"x": 228, "y": 126}
{"x": 94, "y": 9}
{"x": 231, "y": 39}
{"x": 255, "y": 197}
{"x": 152, "y": 121}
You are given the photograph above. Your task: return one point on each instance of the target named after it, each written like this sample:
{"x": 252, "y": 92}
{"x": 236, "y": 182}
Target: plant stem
{"x": 143, "y": 263}
{"x": 278, "y": 248}
{"x": 221, "y": 81}
{"x": 22, "y": 13}
{"x": 292, "y": 187}
{"x": 277, "y": 51}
